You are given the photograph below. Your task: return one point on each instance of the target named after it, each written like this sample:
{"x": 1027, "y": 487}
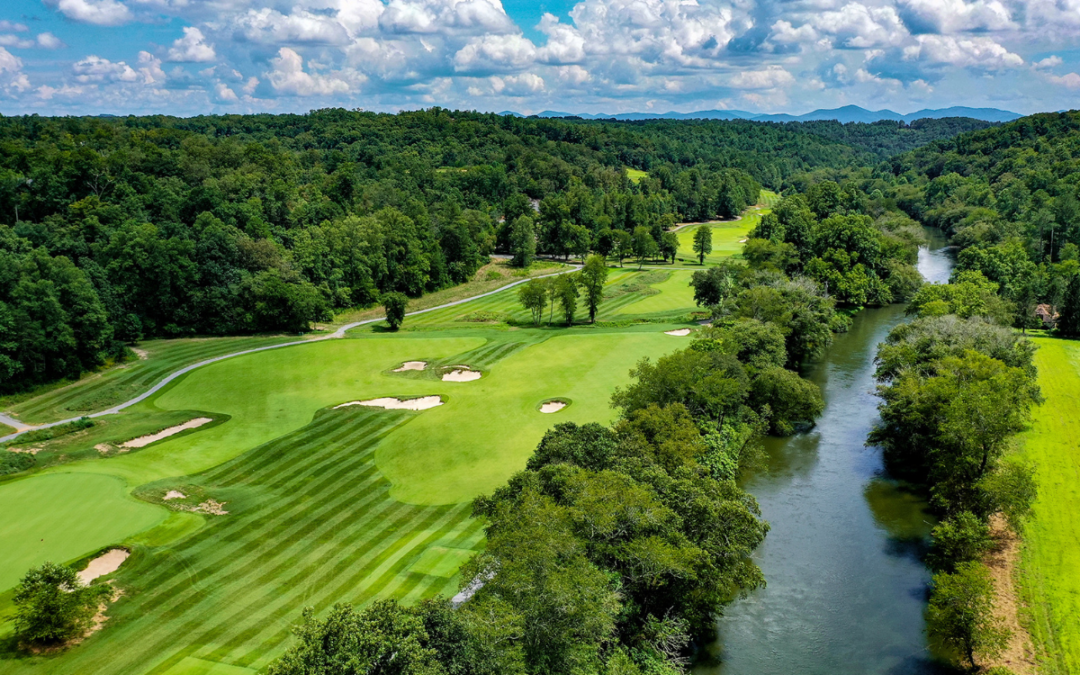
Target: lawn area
{"x": 727, "y": 236}
{"x": 63, "y": 517}
{"x": 1050, "y": 564}
{"x": 635, "y": 175}
{"x": 673, "y": 294}
{"x": 323, "y": 505}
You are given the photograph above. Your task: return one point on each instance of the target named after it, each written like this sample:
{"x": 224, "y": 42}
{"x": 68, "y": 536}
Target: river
{"x": 846, "y": 586}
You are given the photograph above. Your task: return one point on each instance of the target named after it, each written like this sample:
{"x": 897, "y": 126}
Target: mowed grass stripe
{"x": 390, "y": 529}
{"x": 252, "y": 642}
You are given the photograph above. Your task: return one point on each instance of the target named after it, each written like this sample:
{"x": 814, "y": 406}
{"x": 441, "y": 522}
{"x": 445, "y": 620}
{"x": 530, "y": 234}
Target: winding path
{"x": 22, "y": 427}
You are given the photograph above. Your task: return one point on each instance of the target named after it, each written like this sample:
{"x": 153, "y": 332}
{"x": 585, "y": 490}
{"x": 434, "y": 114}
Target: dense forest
{"x": 114, "y": 229}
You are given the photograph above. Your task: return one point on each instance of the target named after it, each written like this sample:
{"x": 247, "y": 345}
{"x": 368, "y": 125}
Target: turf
{"x": 635, "y": 175}
{"x": 102, "y": 390}
{"x": 1051, "y": 556}
{"x": 440, "y": 561}
{"x": 727, "y": 236}
{"x": 673, "y": 294}
{"x": 63, "y": 517}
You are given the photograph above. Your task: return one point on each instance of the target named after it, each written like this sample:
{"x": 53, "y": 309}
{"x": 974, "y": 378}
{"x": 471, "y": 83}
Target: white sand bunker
{"x": 411, "y": 365}
{"x": 174, "y": 494}
{"x": 422, "y": 403}
{"x": 106, "y": 563}
{"x": 461, "y": 375}
{"x": 552, "y": 406}
{"x": 682, "y": 332}
{"x": 143, "y": 441}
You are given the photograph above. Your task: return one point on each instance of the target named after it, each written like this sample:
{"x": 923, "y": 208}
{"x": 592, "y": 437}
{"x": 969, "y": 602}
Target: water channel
{"x": 846, "y": 586}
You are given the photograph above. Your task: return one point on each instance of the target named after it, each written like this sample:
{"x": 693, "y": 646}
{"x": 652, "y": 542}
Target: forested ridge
{"x": 114, "y": 229}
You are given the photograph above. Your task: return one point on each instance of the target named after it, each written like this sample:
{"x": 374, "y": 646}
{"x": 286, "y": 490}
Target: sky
{"x": 190, "y": 57}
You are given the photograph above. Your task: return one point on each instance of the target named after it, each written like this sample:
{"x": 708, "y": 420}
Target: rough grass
{"x": 99, "y": 391}
{"x": 1050, "y": 563}
{"x": 61, "y": 517}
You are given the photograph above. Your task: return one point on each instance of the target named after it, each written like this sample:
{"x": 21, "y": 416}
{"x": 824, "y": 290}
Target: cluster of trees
{"x": 616, "y": 545}
{"x": 566, "y": 289}
{"x": 956, "y": 384}
{"x": 828, "y": 235}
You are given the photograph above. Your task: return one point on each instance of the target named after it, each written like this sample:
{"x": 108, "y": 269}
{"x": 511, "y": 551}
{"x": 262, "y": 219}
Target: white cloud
{"x": 769, "y": 78}
{"x": 980, "y": 53}
{"x": 47, "y": 93}
{"x": 524, "y": 84}
{"x": 495, "y": 52}
{"x": 564, "y": 43}
{"x": 950, "y": 16}
{"x": 269, "y": 26}
{"x": 446, "y": 16}
{"x": 97, "y": 12}
{"x": 223, "y": 93}
{"x": 192, "y": 47}
{"x": 150, "y": 69}
{"x": 1048, "y": 62}
{"x": 12, "y": 79}
{"x": 16, "y": 41}
{"x": 1070, "y": 81}
{"x": 50, "y": 41}
{"x": 12, "y": 27}
{"x": 573, "y": 75}
{"x": 857, "y": 26}
{"x": 289, "y": 78}
{"x": 95, "y": 69}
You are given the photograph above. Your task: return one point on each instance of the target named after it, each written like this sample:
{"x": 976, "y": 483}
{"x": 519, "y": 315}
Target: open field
{"x": 727, "y": 236}
{"x": 1050, "y": 564}
{"x": 322, "y": 505}
{"x": 635, "y": 175}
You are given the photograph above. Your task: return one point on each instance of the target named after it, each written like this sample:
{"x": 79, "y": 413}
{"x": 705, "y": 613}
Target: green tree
{"x": 961, "y": 612}
{"x": 52, "y": 606}
{"x": 567, "y": 291}
{"x": 791, "y": 399}
{"x": 593, "y": 277}
{"x": 703, "y": 242}
{"x": 644, "y": 245}
{"x": 961, "y": 538}
{"x": 533, "y": 296}
{"x": 1069, "y": 323}
{"x": 394, "y": 305}
{"x": 623, "y": 245}
{"x": 669, "y": 245}
{"x": 522, "y": 241}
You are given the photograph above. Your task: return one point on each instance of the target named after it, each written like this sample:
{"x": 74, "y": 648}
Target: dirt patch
{"x": 174, "y": 494}
{"x": 461, "y": 375}
{"x": 552, "y": 406}
{"x": 411, "y": 365}
{"x": 1003, "y": 561}
{"x": 106, "y": 563}
{"x": 681, "y": 332}
{"x": 141, "y": 353}
{"x": 106, "y": 448}
{"x": 422, "y": 403}
{"x": 26, "y": 451}
{"x": 143, "y": 441}
{"x": 211, "y": 507}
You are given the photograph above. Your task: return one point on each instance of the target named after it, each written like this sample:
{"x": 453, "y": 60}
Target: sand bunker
{"x": 211, "y": 507}
{"x": 106, "y": 563}
{"x": 411, "y": 365}
{"x": 682, "y": 332}
{"x": 552, "y": 406}
{"x": 461, "y": 375}
{"x": 143, "y": 441}
{"x": 174, "y": 494}
{"x": 422, "y": 403}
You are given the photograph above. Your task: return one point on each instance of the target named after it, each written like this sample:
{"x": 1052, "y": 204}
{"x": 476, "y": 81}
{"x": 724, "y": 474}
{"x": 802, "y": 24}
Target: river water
{"x": 846, "y": 586}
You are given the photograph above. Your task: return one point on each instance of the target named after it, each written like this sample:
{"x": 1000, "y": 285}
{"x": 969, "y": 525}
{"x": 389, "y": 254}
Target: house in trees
{"x": 1047, "y": 315}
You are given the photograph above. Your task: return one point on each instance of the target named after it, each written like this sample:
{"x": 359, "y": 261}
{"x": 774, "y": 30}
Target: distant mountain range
{"x": 848, "y": 113}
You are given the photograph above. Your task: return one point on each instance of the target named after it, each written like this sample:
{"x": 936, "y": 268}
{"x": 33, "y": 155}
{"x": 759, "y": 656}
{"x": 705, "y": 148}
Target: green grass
{"x": 674, "y": 294}
{"x": 63, "y": 517}
{"x": 727, "y": 236}
{"x": 1050, "y": 563}
{"x": 635, "y": 175}
{"x": 98, "y": 391}
{"x": 5, "y": 430}
{"x": 323, "y": 505}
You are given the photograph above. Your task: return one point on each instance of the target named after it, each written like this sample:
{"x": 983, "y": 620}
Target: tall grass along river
{"x": 846, "y": 586}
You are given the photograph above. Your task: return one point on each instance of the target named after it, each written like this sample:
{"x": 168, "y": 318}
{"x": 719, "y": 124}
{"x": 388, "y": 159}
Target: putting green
{"x": 675, "y": 293}
{"x": 1051, "y": 552}
{"x": 63, "y": 517}
{"x": 489, "y": 428}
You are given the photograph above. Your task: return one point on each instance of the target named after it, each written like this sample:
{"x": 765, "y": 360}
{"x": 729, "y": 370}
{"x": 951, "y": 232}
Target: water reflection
{"x": 847, "y": 585}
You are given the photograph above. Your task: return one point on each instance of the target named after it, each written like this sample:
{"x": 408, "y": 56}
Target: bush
{"x": 52, "y": 606}
{"x": 14, "y": 462}
{"x": 394, "y": 304}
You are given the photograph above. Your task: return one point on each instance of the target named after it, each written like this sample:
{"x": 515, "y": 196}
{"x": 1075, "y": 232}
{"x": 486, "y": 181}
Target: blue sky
{"x": 188, "y": 57}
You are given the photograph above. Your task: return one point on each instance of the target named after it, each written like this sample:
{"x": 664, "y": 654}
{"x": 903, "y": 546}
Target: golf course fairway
{"x": 310, "y": 504}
